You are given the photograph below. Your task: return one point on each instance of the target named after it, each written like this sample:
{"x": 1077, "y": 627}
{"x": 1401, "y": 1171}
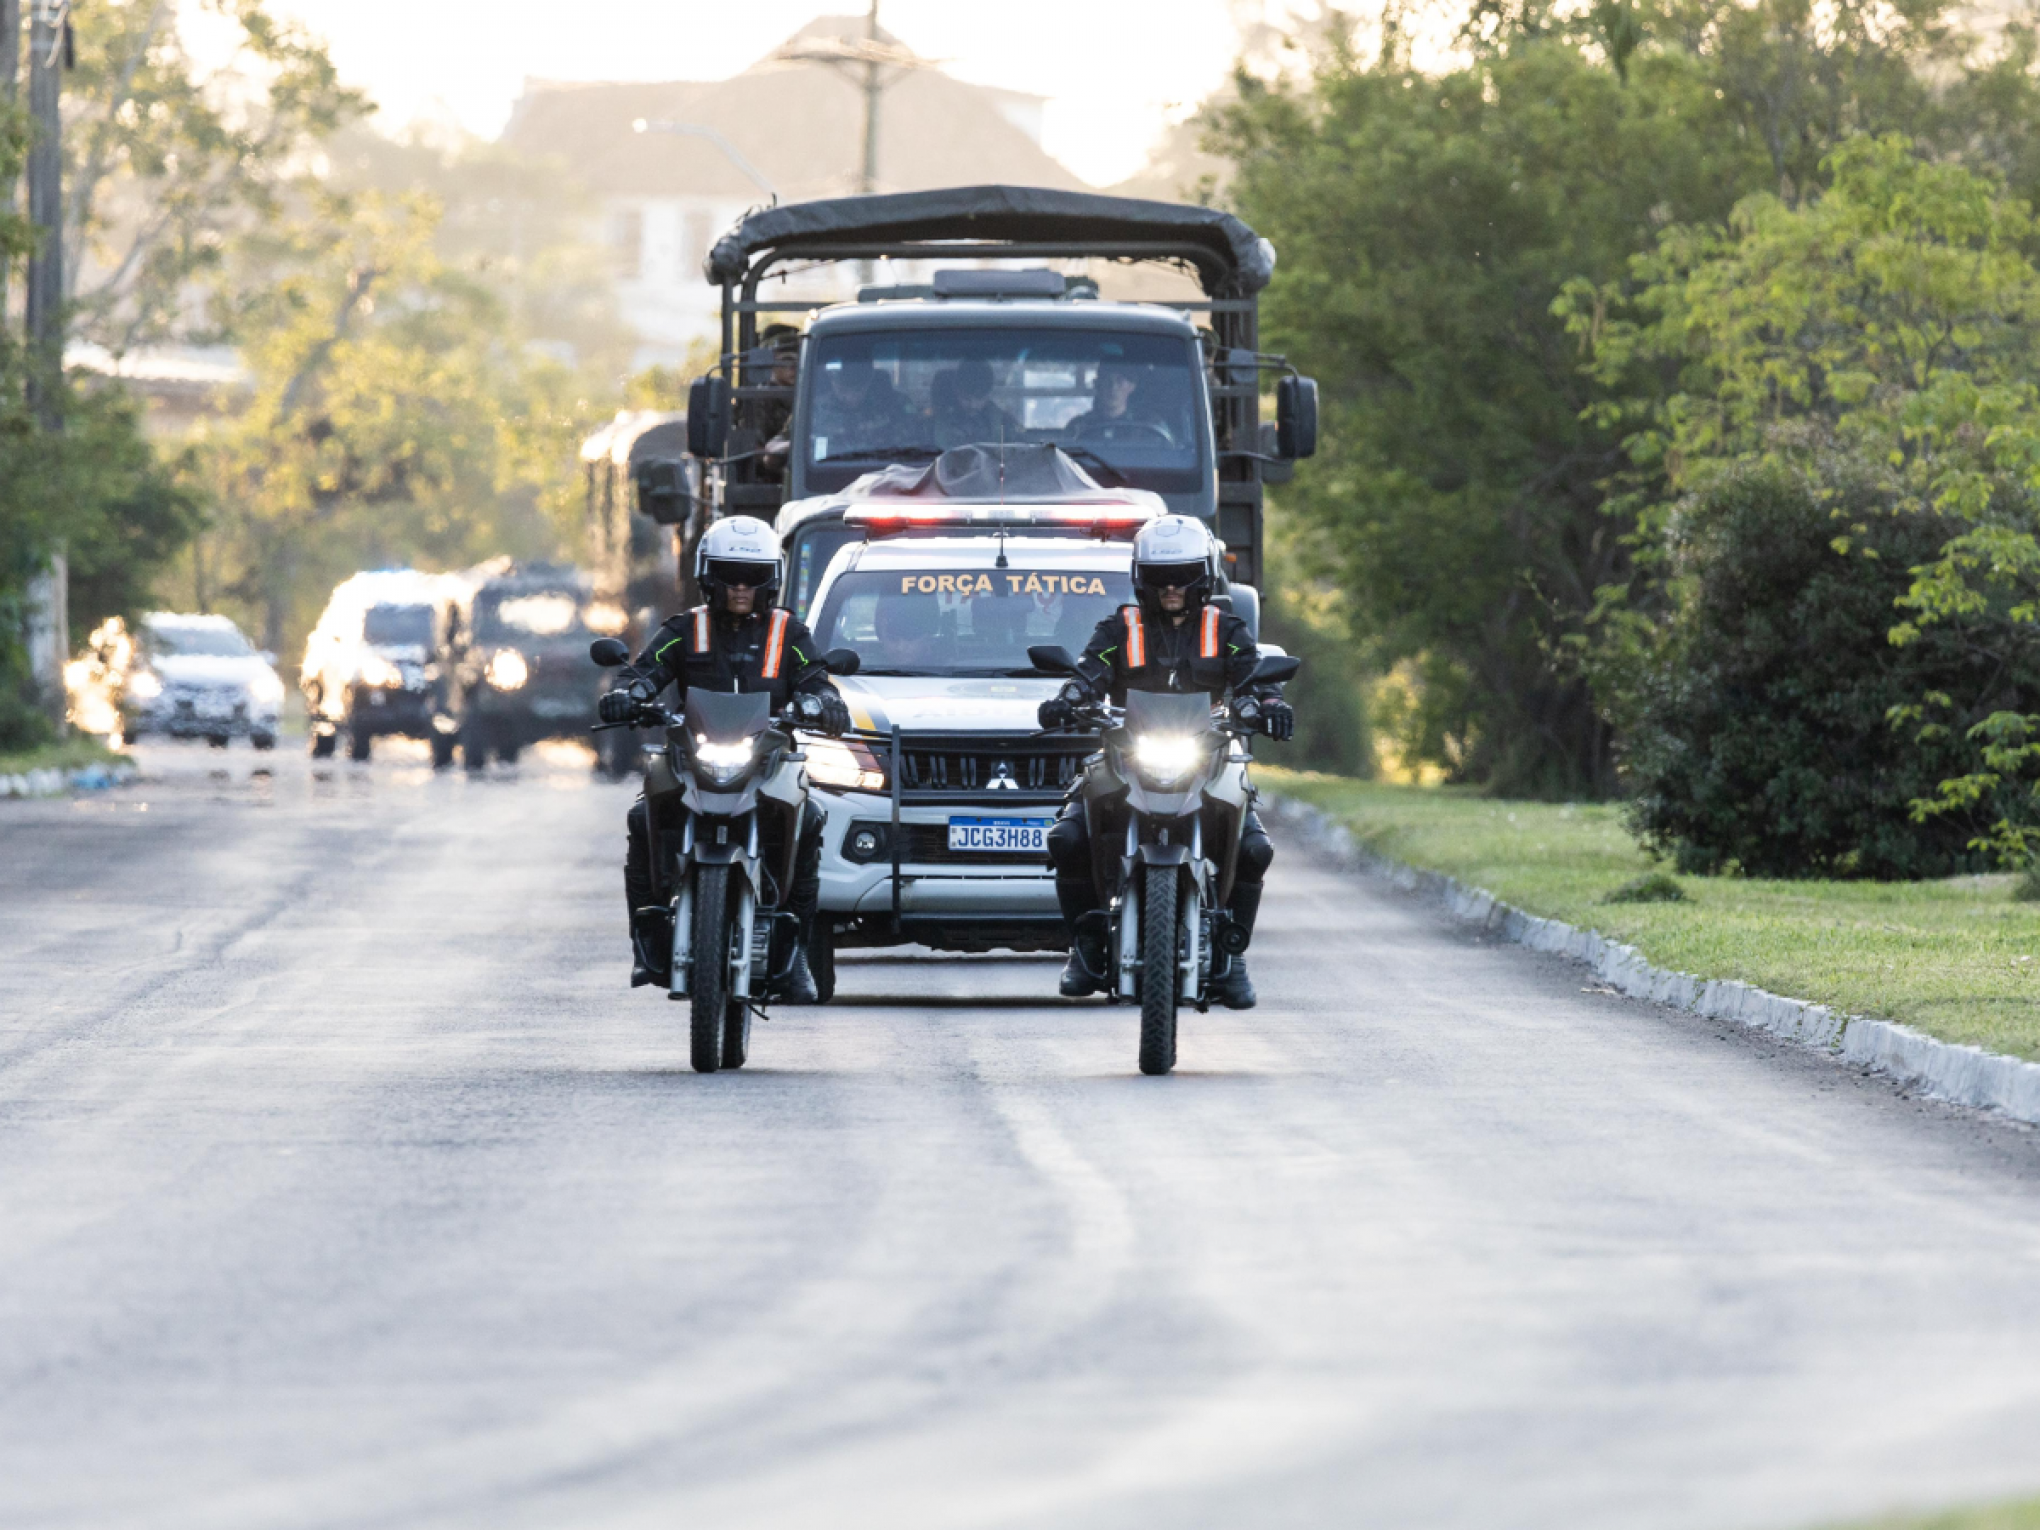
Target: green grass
{"x": 73, "y": 752}
{"x": 2004, "y": 1516}
{"x": 1959, "y": 959}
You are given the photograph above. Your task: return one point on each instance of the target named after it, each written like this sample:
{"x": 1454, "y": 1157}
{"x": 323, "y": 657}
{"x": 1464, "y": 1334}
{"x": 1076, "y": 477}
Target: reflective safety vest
{"x": 775, "y": 639}
{"x": 1136, "y": 635}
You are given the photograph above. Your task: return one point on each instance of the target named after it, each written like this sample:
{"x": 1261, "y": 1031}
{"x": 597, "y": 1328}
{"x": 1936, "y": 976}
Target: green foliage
{"x": 1651, "y": 887}
{"x": 165, "y": 163}
{"x": 393, "y": 418}
{"x": 1763, "y": 734}
{"x": 1455, "y": 246}
{"x": 1872, "y": 349}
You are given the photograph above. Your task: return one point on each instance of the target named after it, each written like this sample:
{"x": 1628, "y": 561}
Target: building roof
{"x": 801, "y": 122}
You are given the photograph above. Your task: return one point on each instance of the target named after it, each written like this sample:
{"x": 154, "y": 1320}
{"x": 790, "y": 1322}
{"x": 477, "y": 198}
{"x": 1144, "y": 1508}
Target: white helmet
{"x": 1175, "y": 551}
{"x": 740, "y": 549}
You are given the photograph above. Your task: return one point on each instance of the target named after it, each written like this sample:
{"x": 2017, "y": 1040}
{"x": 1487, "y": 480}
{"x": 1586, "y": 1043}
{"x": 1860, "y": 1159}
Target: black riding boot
{"x": 651, "y": 942}
{"x": 1233, "y": 988}
{"x": 1087, "y": 943}
{"x": 805, "y": 900}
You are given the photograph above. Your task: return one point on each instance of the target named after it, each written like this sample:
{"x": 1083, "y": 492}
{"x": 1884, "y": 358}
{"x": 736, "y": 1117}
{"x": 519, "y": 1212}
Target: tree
{"x": 393, "y": 417}
{"x": 165, "y": 164}
{"x": 1478, "y": 503}
{"x": 1891, "y": 326}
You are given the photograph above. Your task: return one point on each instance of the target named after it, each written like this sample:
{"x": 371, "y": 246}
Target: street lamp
{"x": 701, "y": 130}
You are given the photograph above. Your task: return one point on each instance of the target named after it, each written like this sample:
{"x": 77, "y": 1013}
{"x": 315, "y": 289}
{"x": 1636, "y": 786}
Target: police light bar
{"x": 1106, "y": 519}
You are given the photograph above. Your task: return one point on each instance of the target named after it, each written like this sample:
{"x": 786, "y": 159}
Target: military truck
{"x": 1163, "y": 396}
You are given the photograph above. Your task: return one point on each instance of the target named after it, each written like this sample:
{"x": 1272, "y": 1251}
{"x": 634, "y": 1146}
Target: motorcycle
{"x": 725, "y": 794}
{"x": 1168, "y": 764}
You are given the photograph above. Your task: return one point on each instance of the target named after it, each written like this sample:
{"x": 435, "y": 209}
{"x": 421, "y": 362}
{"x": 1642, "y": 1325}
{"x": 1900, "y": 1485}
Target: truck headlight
{"x": 835, "y": 762}
{"x": 380, "y": 673}
{"x": 1167, "y": 758}
{"x": 722, "y": 762}
{"x": 143, "y": 685}
{"x": 508, "y": 671}
{"x": 266, "y": 687}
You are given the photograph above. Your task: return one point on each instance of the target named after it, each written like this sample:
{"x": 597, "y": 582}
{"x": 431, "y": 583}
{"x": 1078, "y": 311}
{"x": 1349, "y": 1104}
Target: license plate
{"x": 1022, "y": 836}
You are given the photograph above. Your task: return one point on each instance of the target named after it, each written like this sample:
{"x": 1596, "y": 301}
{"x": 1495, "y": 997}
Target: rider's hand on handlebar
{"x": 621, "y": 705}
{"x": 823, "y": 711}
{"x": 1278, "y": 720}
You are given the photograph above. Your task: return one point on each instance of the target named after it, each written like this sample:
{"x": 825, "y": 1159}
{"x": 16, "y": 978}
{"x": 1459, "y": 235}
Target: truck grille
{"x": 1010, "y": 770}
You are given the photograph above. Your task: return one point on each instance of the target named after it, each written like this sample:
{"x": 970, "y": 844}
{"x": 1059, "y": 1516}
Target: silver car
{"x": 196, "y": 677}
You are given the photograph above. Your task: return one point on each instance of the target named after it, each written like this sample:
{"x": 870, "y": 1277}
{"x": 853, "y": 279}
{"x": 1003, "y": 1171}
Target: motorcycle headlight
{"x": 143, "y": 685}
{"x": 1167, "y": 758}
{"x": 266, "y": 687}
{"x": 834, "y": 762}
{"x": 508, "y": 671}
{"x": 380, "y": 673}
{"x": 722, "y": 762}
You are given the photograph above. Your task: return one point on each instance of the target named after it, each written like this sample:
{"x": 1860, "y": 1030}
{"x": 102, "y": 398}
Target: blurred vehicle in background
{"x": 642, "y": 498}
{"x": 175, "y": 676}
{"x": 523, "y": 672}
{"x": 381, "y": 661}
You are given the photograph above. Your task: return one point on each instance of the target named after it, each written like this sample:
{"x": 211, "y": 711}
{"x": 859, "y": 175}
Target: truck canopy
{"x": 1230, "y": 259}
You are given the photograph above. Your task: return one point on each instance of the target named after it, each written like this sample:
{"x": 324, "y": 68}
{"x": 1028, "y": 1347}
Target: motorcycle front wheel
{"x": 1159, "y": 977}
{"x": 709, "y": 985}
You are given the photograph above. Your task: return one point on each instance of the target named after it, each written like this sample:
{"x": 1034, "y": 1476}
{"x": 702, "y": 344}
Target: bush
{"x": 1763, "y": 737}
{"x": 1651, "y": 887}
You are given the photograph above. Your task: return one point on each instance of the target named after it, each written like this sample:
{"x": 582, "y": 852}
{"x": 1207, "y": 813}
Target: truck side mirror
{"x": 663, "y": 491}
{"x": 708, "y": 401}
{"x": 610, "y": 653}
{"x": 841, "y": 661}
{"x": 1296, "y": 418}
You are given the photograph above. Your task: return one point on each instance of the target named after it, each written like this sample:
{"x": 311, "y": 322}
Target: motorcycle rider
{"x": 1172, "y": 639}
{"x": 735, "y": 641}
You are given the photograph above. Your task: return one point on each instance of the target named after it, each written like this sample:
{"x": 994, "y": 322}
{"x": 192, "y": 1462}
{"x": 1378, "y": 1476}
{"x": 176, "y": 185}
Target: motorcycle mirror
{"x": 610, "y": 653}
{"x": 1275, "y": 668}
{"x": 1052, "y": 659}
{"x": 841, "y": 661}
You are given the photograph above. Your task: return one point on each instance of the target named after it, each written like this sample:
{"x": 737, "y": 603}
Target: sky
{"x": 1116, "y": 72}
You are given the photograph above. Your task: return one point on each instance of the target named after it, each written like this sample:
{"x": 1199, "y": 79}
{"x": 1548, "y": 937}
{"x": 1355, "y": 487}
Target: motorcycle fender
{"x": 719, "y": 804}
{"x": 1164, "y": 855}
{"x": 735, "y": 850}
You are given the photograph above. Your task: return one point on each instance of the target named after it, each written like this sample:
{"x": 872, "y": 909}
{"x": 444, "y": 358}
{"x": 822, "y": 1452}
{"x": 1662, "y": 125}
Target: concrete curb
{"x": 52, "y": 782}
{"x": 1962, "y": 1075}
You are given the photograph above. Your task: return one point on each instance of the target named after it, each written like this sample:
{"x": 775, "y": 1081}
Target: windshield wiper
{"x": 1085, "y": 455}
{"x": 886, "y": 453}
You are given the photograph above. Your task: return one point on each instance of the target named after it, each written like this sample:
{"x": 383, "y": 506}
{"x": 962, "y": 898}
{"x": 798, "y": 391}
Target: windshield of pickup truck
{"x": 967, "y": 621}
{"x": 1128, "y": 406}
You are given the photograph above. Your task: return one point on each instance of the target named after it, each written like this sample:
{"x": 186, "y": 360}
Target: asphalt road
{"x": 342, "y": 1183}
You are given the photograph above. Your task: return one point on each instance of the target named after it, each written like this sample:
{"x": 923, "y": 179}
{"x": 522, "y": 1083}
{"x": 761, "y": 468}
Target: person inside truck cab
{"x": 775, "y": 415}
{"x": 909, "y": 632}
{"x": 859, "y": 410}
{"x": 964, "y": 412}
{"x": 1112, "y": 404}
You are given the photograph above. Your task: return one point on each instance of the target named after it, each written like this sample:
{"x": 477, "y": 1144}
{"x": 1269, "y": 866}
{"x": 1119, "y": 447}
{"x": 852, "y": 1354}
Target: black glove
{"x": 835, "y": 712}
{"x": 1278, "y": 720}
{"x": 1055, "y": 713}
{"x": 617, "y": 706}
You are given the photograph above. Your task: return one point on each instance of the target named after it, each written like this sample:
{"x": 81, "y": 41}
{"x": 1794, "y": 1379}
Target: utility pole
{"x": 49, "y": 39}
{"x": 10, "y": 84}
{"x": 868, "y": 177}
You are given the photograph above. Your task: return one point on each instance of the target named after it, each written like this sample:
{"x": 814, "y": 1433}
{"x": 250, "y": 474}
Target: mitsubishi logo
{"x": 1002, "y": 778}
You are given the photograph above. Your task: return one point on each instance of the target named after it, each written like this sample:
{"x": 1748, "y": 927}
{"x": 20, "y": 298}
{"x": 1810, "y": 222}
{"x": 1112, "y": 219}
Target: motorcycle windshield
{"x": 1164, "y": 712}
{"x": 725, "y": 717}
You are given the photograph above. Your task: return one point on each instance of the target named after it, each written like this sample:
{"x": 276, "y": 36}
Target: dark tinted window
{"x": 1129, "y": 405}
{"x": 398, "y": 625}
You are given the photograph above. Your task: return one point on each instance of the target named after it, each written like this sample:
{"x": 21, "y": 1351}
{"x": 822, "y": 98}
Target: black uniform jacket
{"x": 1212, "y": 651}
{"x": 764, "y": 651}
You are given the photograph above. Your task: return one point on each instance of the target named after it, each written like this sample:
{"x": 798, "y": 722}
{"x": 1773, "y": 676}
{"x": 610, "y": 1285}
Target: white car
{"x": 940, "y": 798}
{"x": 198, "y": 677}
